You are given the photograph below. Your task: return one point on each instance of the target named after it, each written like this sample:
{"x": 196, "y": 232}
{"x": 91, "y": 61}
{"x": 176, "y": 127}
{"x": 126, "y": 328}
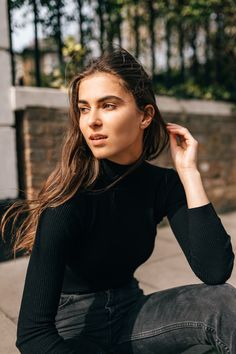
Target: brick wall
{"x": 41, "y": 133}
{"x": 42, "y": 130}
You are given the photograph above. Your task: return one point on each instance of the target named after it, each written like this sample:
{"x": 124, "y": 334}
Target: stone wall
{"x": 41, "y": 132}
{"x": 216, "y": 155}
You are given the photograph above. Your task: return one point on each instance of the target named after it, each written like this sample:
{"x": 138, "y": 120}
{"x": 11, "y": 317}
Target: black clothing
{"x": 96, "y": 240}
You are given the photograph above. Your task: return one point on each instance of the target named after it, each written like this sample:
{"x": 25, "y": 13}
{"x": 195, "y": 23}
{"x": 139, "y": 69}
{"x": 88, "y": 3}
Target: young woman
{"x": 94, "y": 223}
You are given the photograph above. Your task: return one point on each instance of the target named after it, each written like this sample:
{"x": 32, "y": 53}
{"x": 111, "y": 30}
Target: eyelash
{"x": 111, "y": 105}
{"x": 106, "y": 104}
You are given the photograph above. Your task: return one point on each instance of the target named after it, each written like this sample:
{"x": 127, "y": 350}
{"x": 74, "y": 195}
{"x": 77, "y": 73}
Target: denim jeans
{"x": 124, "y": 320}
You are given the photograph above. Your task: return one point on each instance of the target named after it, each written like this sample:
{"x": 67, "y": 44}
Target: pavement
{"x": 166, "y": 268}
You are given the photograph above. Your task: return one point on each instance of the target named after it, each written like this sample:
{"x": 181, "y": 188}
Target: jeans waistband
{"x": 132, "y": 284}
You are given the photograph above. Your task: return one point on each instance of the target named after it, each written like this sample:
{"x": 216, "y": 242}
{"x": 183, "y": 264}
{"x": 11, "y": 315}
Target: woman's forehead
{"x": 101, "y": 85}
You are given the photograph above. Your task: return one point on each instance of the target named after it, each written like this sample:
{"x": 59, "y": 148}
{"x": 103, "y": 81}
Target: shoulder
{"x": 62, "y": 211}
{"x": 64, "y": 218}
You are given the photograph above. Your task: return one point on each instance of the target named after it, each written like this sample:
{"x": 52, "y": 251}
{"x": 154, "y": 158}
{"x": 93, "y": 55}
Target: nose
{"x": 94, "y": 119}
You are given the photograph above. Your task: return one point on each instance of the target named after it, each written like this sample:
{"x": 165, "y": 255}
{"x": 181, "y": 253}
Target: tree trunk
{"x": 193, "y": 43}
{"x": 100, "y": 10}
{"x": 13, "y": 69}
{"x": 168, "y": 45}
{"x": 181, "y": 41}
{"x": 36, "y": 46}
{"x": 58, "y": 32}
{"x": 151, "y": 26}
{"x": 109, "y": 26}
{"x": 219, "y": 46}
{"x": 81, "y": 21}
{"x": 118, "y": 26}
{"x": 136, "y": 31}
{"x": 207, "y": 67}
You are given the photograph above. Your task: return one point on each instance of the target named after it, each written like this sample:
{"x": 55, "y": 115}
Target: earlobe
{"x": 144, "y": 124}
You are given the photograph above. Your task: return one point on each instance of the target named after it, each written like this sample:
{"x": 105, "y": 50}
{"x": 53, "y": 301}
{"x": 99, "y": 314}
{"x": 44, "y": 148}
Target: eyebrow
{"x": 104, "y": 99}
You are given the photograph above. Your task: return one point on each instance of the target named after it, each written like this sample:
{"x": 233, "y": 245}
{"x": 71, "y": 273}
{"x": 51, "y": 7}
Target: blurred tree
{"x": 54, "y": 11}
{"x": 198, "y": 37}
{"x": 151, "y": 27}
{"x": 14, "y": 4}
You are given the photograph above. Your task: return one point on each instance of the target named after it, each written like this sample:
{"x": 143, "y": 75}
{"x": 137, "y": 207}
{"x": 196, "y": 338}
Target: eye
{"x": 109, "y": 106}
{"x": 82, "y": 109}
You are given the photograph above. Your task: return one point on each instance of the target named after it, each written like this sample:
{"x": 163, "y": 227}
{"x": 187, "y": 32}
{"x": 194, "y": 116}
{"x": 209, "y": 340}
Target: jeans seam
{"x": 171, "y": 327}
{"x": 61, "y": 304}
{"x": 109, "y": 314}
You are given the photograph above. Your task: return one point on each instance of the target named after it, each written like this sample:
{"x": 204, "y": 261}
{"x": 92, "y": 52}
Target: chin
{"x": 100, "y": 155}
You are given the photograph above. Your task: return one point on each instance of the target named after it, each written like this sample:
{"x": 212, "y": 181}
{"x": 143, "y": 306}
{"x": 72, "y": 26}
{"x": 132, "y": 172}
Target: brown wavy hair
{"x": 77, "y": 167}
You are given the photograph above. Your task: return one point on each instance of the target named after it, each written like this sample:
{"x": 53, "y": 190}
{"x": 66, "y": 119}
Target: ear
{"x": 149, "y": 112}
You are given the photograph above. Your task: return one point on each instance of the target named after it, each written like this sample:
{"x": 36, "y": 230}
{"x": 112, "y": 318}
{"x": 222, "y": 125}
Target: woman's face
{"x": 117, "y": 118}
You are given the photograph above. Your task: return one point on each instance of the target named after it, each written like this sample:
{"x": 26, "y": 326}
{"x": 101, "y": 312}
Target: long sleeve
{"x": 36, "y": 332}
{"x": 200, "y": 233}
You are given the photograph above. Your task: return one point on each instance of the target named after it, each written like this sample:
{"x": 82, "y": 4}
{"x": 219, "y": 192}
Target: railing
{"x": 188, "y": 47}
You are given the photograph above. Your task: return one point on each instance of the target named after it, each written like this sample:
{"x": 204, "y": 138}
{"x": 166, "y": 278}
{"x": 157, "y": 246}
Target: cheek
{"x": 129, "y": 131}
{"x": 81, "y": 126}
{"x": 128, "y": 125}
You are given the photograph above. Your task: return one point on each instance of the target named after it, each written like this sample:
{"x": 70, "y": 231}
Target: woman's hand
{"x": 184, "y": 152}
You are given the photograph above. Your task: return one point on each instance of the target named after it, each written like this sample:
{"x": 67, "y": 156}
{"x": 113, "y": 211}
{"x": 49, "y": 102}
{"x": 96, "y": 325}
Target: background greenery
{"x": 198, "y": 38}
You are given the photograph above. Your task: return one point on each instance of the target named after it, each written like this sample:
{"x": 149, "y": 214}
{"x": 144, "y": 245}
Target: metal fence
{"x": 188, "y": 47}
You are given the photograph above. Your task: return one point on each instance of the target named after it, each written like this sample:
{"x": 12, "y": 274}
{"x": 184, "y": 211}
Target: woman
{"x": 94, "y": 223}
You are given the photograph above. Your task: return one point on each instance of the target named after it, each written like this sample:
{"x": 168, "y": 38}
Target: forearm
{"x": 194, "y": 189}
{"x": 208, "y": 248}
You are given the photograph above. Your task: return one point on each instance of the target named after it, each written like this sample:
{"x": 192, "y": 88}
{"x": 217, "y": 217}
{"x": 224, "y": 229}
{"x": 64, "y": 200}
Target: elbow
{"x": 18, "y": 345}
{"x": 26, "y": 338}
{"x": 21, "y": 340}
{"x": 218, "y": 275}
{"x": 216, "y": 280}
{"x": 215, "y": 274}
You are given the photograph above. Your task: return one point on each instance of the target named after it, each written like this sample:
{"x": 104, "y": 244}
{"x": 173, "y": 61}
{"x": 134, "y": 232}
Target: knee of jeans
{"x": 223, "y": 295}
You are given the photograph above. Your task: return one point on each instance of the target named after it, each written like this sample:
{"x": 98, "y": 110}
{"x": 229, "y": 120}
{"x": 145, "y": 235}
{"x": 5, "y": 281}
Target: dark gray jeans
{"x": 124, "y": 320}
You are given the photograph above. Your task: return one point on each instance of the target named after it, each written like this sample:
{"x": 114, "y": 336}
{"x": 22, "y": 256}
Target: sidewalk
{"x": 166, "y": 268}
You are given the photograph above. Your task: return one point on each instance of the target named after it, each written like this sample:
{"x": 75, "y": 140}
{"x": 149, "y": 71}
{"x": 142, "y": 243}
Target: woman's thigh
{"x": 83, "y": 316}
{"x": 173, "y": 320}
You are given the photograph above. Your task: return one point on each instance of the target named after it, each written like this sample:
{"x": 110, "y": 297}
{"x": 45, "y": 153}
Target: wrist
{"x": 188, "y": 172}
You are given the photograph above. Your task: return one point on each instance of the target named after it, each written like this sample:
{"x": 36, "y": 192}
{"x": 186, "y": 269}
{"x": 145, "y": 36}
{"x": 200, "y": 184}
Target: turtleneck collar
{"x": 110, "y": 171}
{"x": 113, "y": 169}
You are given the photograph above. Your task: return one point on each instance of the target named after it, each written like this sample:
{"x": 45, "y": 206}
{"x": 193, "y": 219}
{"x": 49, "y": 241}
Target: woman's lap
{"x": 168, "y": 321}
{"x": 174, "y": 319}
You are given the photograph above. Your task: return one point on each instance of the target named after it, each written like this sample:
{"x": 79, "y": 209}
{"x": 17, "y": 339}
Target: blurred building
{"x": 25, "y": 62}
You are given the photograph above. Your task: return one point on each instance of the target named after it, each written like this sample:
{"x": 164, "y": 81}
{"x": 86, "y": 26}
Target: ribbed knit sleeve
{"x": 200, "y": 233}
{"x": 36, "y": 332}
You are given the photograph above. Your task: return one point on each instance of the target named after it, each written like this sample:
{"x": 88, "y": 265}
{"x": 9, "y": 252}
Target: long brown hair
{"x": 77, "y": 167}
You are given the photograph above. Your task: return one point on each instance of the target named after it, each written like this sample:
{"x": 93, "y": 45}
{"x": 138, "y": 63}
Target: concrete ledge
{"x": 22, "y": 97}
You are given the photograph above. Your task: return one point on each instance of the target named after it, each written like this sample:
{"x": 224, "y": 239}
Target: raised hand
{"x": 183, "y": 151}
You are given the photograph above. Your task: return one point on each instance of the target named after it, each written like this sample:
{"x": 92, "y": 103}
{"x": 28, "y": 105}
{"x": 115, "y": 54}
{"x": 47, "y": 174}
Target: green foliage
{"x": 73, "y": 54}
{"x": 192, "y": 89}
{"x": 186, "y": 22}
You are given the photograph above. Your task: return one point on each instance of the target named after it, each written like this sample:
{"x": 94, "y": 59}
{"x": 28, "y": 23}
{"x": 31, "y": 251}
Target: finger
{"x": 184, "y": 132}
{"x": 179, "y": 140}
{"x": 174, "y": 124}
{"x": 173, "y": 140}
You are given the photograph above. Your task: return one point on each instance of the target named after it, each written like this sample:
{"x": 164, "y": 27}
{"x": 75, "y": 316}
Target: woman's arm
{"x": 192, "y": 216}
{"x": 200, "y": 233}
{"x": 194, "y": 190}
{"x": 36, "y": 332}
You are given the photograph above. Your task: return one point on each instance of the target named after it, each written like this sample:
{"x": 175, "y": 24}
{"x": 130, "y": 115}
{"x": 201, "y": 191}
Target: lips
{"x": 97, "y": 137}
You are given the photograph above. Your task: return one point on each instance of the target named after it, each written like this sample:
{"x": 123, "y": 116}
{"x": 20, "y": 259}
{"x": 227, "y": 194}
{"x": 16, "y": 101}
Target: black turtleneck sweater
{"x": 96, "y": 240}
